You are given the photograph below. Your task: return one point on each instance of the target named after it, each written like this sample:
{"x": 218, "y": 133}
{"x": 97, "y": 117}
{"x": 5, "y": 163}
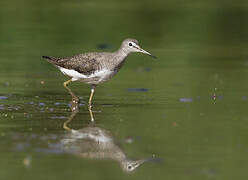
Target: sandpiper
{"x": 95, "y": 67}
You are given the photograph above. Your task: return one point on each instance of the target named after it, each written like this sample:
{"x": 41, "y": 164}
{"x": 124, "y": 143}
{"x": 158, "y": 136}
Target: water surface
{"x": 187, "y": 110}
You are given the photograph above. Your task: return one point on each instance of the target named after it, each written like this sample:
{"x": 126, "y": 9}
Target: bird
{"x": 94, "y": 68}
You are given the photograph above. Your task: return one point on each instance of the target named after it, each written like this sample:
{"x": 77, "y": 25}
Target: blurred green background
{"x": 188, "y": 108}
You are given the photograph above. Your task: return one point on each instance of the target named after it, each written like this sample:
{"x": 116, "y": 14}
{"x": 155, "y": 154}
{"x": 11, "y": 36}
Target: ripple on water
{"x": 3, "y": 97}
{"x": 41, "y": 104}
{"x": 244, "y": 98}
{"x": 185, "y": 99}
{"x": 137, "y": 90}
{"x": 58, "y": 117}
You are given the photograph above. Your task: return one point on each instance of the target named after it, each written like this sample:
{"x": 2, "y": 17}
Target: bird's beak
{"x": 144, "y": 52}
{"x": 139, "y": 162}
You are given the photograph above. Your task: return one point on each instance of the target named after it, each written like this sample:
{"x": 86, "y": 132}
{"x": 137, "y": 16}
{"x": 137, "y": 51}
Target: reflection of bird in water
{"x": 95, "y": 143}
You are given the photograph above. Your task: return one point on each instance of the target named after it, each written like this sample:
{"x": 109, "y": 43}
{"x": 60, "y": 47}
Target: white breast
{"x": 102, "y": 74}
{"x": 72, "y": 73}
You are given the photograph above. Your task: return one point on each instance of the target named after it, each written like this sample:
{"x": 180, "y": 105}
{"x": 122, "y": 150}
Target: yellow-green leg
{"x": 73, "y": 113}
{"x": 69, "y": 90}
{"x": 66, "y": 84}
{"x": 90, "y": 102}
{"x": 91, "y": 96}
{"x": 74, "y": 106}
{"x": 75, "y": 99}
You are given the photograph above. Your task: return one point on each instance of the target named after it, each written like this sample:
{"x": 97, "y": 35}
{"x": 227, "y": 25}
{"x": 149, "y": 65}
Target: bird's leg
{"x": 69, "y": 90}
{"x": 91, "y": 115}
{"x": 69, "y": 120}
{"x": 75, "y": 99}
{"x": 65, "y": 85}
{"x": 90, "y": 102}
{"x": 74, "y": 106}
{"x": 67, "y": 82}
{"x": 91, "y": 95}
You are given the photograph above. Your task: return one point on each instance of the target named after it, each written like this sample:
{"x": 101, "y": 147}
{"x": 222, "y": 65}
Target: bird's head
{"x": 132, "y": 45}
{"x": 129, "y": 165}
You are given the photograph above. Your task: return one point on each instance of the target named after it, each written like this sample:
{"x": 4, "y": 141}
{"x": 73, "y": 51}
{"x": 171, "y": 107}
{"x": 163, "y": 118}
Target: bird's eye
{"x": 130, "y": 44}
{"x": 129, "y": 167}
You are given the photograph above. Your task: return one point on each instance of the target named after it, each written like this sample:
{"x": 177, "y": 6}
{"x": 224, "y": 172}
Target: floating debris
{"x": 27, "y": 161}
{"x": 185, "y": 99}
{"x": 137, "y": 90}
{"x": 174, "y": 124}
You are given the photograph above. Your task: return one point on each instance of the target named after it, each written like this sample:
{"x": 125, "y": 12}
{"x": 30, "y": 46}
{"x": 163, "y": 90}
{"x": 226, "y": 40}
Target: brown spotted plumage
{"x": 95, "y": 67}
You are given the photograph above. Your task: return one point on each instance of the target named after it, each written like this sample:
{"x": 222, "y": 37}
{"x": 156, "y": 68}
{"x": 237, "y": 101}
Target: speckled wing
{"x": 85, "y": 64}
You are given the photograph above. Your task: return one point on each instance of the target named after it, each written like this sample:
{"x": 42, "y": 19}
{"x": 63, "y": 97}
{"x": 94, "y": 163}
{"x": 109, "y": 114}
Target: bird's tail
{"x": 52, "y": 59}
{"x": 47, "y": 57}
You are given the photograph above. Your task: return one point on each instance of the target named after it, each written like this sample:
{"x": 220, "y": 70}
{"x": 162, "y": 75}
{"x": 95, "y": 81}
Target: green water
{"x": 187, "y": 109}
